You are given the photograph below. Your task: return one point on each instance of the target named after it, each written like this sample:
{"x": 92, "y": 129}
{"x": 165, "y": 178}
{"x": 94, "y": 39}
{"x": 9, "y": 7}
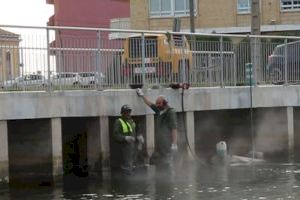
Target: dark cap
{"x": 125, "y": 108}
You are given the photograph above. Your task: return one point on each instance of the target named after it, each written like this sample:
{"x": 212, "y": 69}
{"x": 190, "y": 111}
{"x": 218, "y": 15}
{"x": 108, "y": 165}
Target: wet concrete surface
{"x": 186, "y": 182}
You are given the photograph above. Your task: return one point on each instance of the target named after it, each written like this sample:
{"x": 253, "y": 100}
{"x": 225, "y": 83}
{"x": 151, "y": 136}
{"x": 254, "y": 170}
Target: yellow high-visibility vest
{"x": 126, "y": 126}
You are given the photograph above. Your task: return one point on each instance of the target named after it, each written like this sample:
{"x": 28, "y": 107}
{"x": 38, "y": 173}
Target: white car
{"x": 26, "y": 81}
{"x": 66, "y": 79}
{"x": 91, "y": 78}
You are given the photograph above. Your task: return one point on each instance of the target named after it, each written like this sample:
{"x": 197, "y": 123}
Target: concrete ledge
{"x": 31, "y": 105}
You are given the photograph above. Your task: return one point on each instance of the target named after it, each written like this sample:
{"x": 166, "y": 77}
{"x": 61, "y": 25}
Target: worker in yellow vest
{"x": 125, "y": 134}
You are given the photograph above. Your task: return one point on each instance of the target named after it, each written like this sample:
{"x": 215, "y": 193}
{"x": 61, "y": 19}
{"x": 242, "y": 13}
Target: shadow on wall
{"x": 74, "y": 134}
{"x": 234, "y": 127}
{"x": 271, "y": 133}
{"x": 29, "y": 148}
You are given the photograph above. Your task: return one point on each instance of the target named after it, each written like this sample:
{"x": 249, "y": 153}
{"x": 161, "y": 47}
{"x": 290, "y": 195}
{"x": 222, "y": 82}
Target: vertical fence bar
{"x": 285, "y": 61}
{"x": 22, "y": 70}
{"x": 255, "y": 58}
{"x": 255, "y": 61}
{"x": 59, "y": 69}
{"x": 222, "y": 62}
{"x": 48, "y": 60}
{"x": 143, "y": 59}
{"x": 184, "y": 58}
{"x": 98, "y": 61}
{"x": 22, "y": 61}
{"x": 234, "y": 67}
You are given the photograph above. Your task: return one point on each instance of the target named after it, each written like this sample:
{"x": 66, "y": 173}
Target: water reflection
{"x": 189, "y": 182}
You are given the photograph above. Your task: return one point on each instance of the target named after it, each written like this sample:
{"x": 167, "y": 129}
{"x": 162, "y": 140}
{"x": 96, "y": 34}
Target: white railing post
{"x": 221, "y": 63}
{"x": 234, "y": 67}
{"x": 143, "y": 59}
{"x": 285, "y": 62}
{"x": 184, "y": 51}
{"x": 48, "y": 61}
{"x": 98, "y": 62}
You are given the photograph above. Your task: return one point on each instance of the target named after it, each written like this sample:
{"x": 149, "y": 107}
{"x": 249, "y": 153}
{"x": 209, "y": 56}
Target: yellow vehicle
{"x": 166, "y": 56}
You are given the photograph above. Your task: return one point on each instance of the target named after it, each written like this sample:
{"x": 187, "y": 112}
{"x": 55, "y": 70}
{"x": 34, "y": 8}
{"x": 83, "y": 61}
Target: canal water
{"x": 189, "y": 181}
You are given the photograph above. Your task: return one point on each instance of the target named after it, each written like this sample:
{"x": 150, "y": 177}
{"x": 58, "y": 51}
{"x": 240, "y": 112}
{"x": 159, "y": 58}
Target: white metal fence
{"x": 59, "y": 58}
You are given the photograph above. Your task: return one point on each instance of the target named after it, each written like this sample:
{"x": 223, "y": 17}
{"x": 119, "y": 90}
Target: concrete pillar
{"x": 150, "y": 129}
{"x": 290, "y": 122}
{"x": 56, "y": 134}
{"x": 190, "y": 131}
{"x": 4, "y": 164}
{"x": 98, "y": 151}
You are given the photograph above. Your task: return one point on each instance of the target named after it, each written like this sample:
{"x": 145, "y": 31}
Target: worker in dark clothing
{"x": 125, "y": 134}
{"x": 165, "y": 130}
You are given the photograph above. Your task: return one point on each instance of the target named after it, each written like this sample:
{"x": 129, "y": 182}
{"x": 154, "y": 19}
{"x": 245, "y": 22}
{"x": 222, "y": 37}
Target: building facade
{"x": 234, "y": 16}
{"x": 80, "y": 13}
{"x": 94, "y": 13}
{"x": 9, "y": 55}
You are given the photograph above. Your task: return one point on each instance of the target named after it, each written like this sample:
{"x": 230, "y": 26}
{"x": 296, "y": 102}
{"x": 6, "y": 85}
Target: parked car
{"x": 66, "y": 79}
{"x": 27, "y": 81}
{"x": 91, "y": 78}
{"x": 276, "y": 63}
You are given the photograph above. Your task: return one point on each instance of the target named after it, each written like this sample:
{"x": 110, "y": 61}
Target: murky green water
{"x": 188, "y": 182}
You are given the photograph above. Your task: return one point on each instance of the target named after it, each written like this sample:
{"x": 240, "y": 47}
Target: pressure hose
{"x": 185, "y": 86}
{"x": 251, "y": 117}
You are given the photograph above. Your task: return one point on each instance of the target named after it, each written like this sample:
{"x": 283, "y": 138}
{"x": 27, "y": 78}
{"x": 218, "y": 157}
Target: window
{"x": 167, "y": 8}
{"x": 290, "y": 4}
{"x": 160, "y": 7}
{"x": 182, "y": 7}
{"x": 244, "y": 6}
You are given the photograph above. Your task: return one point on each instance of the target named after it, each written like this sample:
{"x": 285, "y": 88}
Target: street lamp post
{"x": 192, "y": 16}
{"x": 255, "y": 17}
{"x": 255, "y": 42}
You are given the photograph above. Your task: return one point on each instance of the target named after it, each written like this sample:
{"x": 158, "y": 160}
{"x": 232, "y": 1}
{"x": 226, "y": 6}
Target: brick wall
{"x": 212, "y": 13}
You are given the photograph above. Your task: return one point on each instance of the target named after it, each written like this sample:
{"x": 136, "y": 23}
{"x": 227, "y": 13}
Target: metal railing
{"x": 63, "y": 58}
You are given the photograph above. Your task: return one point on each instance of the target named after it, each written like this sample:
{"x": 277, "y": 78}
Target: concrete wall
{"x": 32, "y": 105}
{"x": 297, "y": 133}
{"x": 4, "y": 164}
{"x": 30, "y": 149}
{"x": 36, "y": 126}
{"x": 267, "y": 133}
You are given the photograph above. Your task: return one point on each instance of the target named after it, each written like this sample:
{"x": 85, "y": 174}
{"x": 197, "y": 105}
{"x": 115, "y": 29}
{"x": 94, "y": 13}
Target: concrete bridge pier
{"x": 35, "y": 151}
{"x": 4, "y": 164}
{"x": 190, "y": 131}
{"x": 291, "y": 133}
{"x": 57, "y": 162}
{"x": 150, "y": 131}
{"x": 98, "y": 149}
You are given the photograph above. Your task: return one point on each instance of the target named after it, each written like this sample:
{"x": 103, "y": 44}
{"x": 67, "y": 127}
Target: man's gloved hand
{"x": 129, "y": 139}
{"x": 174, "y": 148}
{"x": 139, "y": 92}
{"x": 140, "y": 139}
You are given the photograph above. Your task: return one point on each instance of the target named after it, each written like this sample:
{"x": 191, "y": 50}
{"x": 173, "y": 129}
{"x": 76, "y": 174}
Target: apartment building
{"x": 9, "y": 55}
{"x": 92, "y": 13}
{"x": 230, "y": 16}
{"x": 82, "y": 13}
